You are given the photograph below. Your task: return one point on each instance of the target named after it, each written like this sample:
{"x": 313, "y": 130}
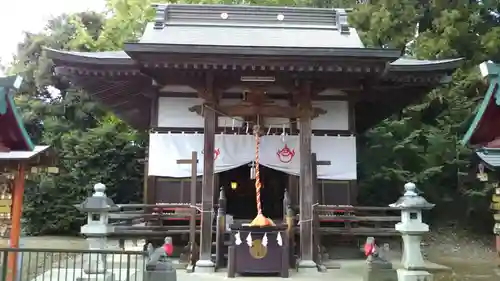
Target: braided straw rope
{"x": 260, "y": 219}
{"x": 258, "y": 184}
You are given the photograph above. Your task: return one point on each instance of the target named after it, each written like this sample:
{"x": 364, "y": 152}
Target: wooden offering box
{"x": 270, "y": 259}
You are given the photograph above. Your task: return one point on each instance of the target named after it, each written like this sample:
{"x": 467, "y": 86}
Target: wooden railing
{"x": 357, "y": 220}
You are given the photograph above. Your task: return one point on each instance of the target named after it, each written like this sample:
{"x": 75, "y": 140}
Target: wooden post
{"x": 316, "y": 223}
{"x": 192, "y": 195}
{"x": 17, "y": 209}
{"x": 205, "y": 263}
{"x": 289, "y": 220}
{"x": 306, "y": 188}
{"x": 221, "y": 229}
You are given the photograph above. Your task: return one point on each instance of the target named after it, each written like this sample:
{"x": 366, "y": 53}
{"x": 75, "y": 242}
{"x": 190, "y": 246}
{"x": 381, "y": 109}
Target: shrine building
{"x": 203, "y": 77}
{"x": 483, "y": 136}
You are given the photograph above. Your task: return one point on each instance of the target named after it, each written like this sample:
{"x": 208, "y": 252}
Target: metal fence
{"x": 71, "y": 265}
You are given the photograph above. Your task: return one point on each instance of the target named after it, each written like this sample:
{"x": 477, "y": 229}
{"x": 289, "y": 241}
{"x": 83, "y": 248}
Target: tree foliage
{"x": 421, "y": 144}
{"x": 91, "y": 144}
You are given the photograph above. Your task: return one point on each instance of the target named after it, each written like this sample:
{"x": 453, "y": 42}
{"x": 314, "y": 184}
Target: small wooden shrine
{"x": 202, "y": 77}
{"x": 484, "y": 136}
{"x": 18, "y": 154}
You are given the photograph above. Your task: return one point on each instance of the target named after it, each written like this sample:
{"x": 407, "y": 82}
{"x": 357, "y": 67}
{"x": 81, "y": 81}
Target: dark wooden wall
{"x": 177, "y": 190}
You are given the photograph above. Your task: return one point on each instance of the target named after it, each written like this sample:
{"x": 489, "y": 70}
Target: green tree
{"x": 91, "y": 144}
{"x": 420, "y": 144}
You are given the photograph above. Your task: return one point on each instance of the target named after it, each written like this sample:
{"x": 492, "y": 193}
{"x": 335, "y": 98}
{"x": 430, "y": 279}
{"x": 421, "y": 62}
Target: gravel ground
{"x": 471, "y": 258}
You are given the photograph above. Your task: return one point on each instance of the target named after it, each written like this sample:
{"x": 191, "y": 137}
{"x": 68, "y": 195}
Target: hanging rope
{"x": 258, "y": 184}
{"x": 260, "y": 219}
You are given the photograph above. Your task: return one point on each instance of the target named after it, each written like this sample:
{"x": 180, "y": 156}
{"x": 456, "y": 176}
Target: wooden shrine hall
{"x": 254, "y": 94}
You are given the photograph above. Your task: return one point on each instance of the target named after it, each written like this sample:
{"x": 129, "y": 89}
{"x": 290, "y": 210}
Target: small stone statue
{"x": 378, "y": 267}
{"x": 159, "y": 267}
{"x": 375, "y": 257}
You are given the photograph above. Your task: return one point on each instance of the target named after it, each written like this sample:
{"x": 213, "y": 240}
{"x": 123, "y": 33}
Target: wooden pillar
{"x": 192, "y": 195}
{"x": 17, "y": 209}
{"x": 207, "y": 193}
{"x": 306, "y": 181}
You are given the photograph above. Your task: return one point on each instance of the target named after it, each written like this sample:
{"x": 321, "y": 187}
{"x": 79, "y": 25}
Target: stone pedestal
{"x": 379, "y": 274}
{"x": 204, "y": 266}
{"x": 412, "y": 255}
{"x": 307, "y": 266}
{"x": 414, "y": 275}
{"x": 379, "y": 269}
{"x": 162, "y": 271}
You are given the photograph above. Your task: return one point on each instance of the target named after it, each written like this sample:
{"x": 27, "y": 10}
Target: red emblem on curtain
{"x": 285, "y": 155}
{"x": 216, "y": 153}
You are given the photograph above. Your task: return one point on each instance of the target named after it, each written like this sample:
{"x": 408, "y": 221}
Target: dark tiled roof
{"x": 237, "y": 25}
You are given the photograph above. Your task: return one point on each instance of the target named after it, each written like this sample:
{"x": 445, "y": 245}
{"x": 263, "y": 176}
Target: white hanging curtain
{"x": 232, "y": 151}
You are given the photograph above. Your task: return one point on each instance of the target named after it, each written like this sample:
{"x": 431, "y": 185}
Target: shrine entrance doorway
{"x": 240, "y": 192}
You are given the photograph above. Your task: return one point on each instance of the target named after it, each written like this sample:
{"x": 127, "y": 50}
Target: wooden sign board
{"x": 495, "y": 206}
{"x": 5, "y": 206}
{"x": 496, "y": 217}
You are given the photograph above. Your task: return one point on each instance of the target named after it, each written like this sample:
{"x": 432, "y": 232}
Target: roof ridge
{"x": 250, "y": 16}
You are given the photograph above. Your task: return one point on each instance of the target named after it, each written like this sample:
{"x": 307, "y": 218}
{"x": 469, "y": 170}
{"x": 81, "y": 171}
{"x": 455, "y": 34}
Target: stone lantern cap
{"x": 412, "y": 200}
{"x": 98, "y": 202}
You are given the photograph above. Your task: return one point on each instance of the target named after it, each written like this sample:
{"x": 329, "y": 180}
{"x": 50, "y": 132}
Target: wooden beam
{"x": 267, "y": 110}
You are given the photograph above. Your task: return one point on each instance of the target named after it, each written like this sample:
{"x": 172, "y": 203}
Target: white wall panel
{"x": 174, "y": 113}
{"x": 335, "y": 118}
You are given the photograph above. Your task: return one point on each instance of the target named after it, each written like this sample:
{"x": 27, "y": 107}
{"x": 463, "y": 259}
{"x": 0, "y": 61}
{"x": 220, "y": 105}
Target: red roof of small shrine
{"x": 13, "y": 135}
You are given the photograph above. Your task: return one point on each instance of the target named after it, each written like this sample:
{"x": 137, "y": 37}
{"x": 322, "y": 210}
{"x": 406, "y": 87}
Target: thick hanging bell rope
{"x": 260, "y": 219}
{"x": 258, "y": 184}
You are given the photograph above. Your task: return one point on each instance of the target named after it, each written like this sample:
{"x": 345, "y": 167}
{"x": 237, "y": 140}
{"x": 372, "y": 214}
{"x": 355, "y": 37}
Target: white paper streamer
{"x": 264, "y": 240}
{"x": 279, "y": 239}
{"x": 237, "y": 238}
{"x": 249, "y": 240}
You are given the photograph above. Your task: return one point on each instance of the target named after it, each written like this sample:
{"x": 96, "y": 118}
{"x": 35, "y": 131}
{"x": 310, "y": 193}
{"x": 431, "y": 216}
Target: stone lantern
{"x": 411, "y": 227}
{"x": 96, "y": 231}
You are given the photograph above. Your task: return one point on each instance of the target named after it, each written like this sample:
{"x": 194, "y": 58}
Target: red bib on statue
{"x": 169, "y": 249}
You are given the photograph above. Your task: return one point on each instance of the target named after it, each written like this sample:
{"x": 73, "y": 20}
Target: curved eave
{"x": 122, "y": 93}
{"x": 490, "y": 157}
{"x": 113, "y": 58}
{"x": 487, "y": 102}
{"x": 135, "y": 48}
{"x": 414, "y": 65}
{"x": 12, "y": 133}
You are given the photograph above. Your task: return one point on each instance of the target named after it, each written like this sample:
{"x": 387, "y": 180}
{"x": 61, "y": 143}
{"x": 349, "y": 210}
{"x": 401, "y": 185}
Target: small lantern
{"x": 234, "y": 185}
{"x": 411, "y": 227}
{"x": 252, "y": 170}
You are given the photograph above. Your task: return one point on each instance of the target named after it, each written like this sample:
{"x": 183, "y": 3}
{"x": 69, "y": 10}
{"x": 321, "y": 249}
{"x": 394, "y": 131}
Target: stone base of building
{"x": 414, "y": 275}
